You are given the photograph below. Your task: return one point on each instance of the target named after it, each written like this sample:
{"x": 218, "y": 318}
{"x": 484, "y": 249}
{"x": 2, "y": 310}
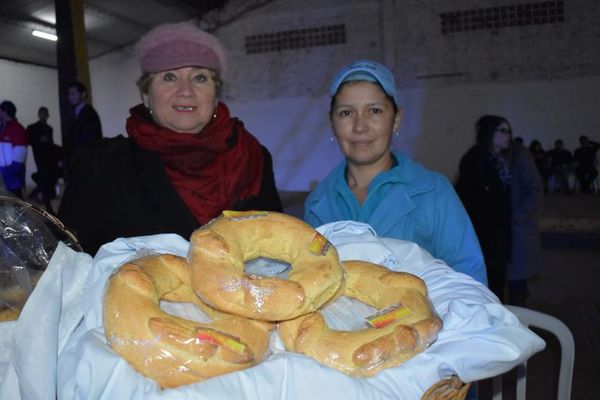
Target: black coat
{"x": 46, "y": 154}
{"x": 85, "y": 129}
{"x": 39, "y": 136}
{"x": 116, "y": 189}
{"x": 488, "y": 203}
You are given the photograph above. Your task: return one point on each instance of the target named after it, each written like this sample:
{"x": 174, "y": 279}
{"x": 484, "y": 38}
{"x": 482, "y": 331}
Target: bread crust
{"x": 367, "y": 351}
{"x": 170, "y": 350}
{"x": 219, "y": 250}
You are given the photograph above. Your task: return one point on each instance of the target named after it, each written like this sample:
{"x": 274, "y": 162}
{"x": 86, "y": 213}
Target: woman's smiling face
{"x": 364, "y": 121}
{"x": 182, "y": 99}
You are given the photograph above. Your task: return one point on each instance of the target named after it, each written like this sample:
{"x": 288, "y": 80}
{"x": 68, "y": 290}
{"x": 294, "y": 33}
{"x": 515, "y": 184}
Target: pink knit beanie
{"x": 172, "y": 46}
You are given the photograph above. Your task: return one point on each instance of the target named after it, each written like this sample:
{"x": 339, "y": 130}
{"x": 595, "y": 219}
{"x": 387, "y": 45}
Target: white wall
{"x": 437, "y": 127}
{"x": 113, "y": 85}
{"x": 543, "y": 78}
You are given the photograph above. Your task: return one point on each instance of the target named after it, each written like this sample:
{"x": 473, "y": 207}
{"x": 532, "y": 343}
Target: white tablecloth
{"x": 58, "y": 348}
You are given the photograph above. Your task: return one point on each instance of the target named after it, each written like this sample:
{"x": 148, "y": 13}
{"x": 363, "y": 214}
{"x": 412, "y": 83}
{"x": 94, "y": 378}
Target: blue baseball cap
{"x": 366, "y": 70}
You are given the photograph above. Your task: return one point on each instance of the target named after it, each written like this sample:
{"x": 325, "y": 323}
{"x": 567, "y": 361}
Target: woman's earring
{"x": 332, "y": 139}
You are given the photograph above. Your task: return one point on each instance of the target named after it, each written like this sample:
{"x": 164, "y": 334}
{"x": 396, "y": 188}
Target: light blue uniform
{"x": 407, "y": 202}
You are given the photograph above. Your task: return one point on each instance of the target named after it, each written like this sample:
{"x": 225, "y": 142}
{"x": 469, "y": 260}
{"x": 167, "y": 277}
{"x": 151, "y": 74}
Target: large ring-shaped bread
{"x": 368, "y": 351}
{"x": 174, "y": 351}
{"x": 219, "y": 250}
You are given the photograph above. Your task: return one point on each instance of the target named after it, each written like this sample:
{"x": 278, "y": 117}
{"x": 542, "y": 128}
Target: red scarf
{"x": 211, "y": 170}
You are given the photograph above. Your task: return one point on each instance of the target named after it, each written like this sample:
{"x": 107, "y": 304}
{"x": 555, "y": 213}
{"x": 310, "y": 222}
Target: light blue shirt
{"x": 407, "y": 202}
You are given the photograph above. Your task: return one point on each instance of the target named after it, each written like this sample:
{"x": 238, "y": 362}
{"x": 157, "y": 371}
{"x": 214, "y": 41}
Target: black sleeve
{"x": 268, "y": 198}
{"x": 91, "y": 130}
{"x": 79, "y": 208}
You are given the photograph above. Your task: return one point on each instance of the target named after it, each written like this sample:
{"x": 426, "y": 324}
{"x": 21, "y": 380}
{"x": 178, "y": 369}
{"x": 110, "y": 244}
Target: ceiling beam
{"x": 196, "y": 8}
{"x": 31, "y": 23}
{"x": 112, "y": 16}
{"x": 27, "y": 21}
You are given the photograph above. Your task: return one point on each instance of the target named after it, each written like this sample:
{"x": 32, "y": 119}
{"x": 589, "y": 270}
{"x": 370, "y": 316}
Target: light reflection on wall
{"x": 297, "y": 133}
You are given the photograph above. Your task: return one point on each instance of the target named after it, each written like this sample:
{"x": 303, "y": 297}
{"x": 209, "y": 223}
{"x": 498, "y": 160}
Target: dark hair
{"x": 9, "y": 108}
{"x": 390, "y": 98}
{"x": 559, "y": 141}
{"x": 42, "y": 108}
{"x": 535, "y": 143}
{"x": 485, "y": 128}
{"x": 81, "y": 88}
{"x": 582, "y": 138}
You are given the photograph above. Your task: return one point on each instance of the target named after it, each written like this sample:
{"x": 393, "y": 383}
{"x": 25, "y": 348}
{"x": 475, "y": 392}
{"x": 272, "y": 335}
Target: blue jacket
{"x": 407, "y": 202}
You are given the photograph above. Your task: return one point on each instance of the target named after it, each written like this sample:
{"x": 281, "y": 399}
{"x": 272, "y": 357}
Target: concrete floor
{"x": 567, "y": 287}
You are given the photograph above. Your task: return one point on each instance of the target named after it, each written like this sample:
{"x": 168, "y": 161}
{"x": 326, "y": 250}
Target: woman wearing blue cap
{"x": 398, "y": 197}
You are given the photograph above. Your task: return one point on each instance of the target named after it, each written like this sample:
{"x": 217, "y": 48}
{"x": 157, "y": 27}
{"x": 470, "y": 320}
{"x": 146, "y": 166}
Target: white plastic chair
{"x": 531, "y": 318}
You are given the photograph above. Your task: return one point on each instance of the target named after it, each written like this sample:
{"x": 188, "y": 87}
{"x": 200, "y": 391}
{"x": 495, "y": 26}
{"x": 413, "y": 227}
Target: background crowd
{"x": 566, "y": 172}
{"x": 51, "y": 159}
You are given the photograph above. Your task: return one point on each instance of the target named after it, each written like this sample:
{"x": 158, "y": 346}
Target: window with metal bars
{"x": 295, "y": 39}
{"x": 544, "y": 12}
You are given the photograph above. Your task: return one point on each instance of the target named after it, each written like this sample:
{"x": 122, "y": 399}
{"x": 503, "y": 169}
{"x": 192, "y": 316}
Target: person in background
{"x": 561, "y": 161}
{"x": 398, "y": 197}
{"x": 585, "y": 163}
{"x": 185, "y": 160}
{"x": 483, "y": 185}
{"x": 39, "y": 136}
{"x": 542, "y": 161}
{"x": 86, "y": 127}
{"x": 13, "y": 149}
{"x": 526, "y": 191}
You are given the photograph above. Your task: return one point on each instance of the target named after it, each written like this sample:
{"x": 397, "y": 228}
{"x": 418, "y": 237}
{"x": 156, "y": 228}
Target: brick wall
{"x": 544, "y": 78}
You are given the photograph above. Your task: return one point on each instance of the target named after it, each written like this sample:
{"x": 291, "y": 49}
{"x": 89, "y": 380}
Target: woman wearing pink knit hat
{"x": 185, "y": 159}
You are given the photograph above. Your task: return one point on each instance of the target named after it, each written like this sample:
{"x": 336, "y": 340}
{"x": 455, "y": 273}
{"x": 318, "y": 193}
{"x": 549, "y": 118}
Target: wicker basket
{"x": 447, "y": 389}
